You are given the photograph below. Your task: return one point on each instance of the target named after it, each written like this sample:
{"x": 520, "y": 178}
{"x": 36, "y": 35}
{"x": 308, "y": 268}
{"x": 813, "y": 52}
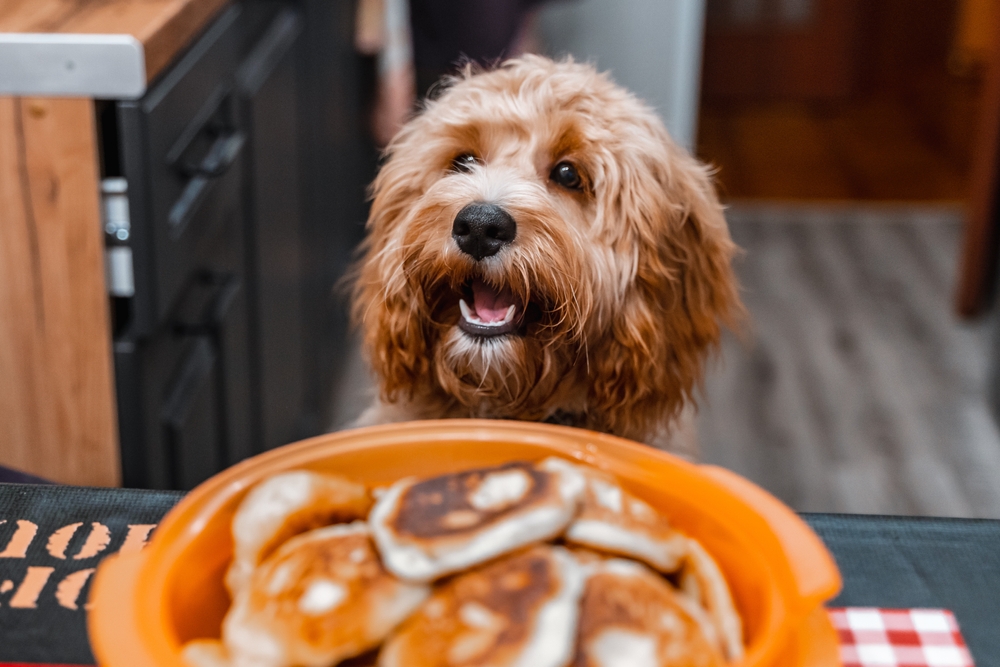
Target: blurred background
{"x": 855, "y": 144}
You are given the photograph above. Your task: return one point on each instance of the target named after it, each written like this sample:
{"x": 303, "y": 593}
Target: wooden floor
{"x": 857, "y": 390}
{"x": 876, "y": 148}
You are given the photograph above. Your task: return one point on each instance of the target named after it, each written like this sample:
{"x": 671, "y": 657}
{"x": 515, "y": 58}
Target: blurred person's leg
{"x": 382, "y": 29}
{"x": 416, "y": 42}
{"x": 447, "y": 32}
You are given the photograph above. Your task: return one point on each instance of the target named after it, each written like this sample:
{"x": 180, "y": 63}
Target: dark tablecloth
{"x": 903, "y": 562}
{"x": 885, "y": 562}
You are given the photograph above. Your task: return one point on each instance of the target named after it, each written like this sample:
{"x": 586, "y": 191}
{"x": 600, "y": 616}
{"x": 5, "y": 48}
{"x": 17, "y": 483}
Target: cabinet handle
{"x": 192, "y": 377}
{"x": 223, "y": 153}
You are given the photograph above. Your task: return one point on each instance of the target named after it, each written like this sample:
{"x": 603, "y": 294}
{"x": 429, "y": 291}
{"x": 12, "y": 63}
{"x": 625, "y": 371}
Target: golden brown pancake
{"x": 518, "y": 611}
{"x": 613, "y": 520}
{"x": 284, "y": 506}
{"x": 702, "y": 580}
{"x": 428, "y": 528}
{"x": 321, "y": 598}
{"x": 631, "y": 617}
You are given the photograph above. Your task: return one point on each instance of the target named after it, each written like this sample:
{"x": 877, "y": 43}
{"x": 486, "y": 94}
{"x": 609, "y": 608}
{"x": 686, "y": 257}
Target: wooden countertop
{"x": 164, "y": 27}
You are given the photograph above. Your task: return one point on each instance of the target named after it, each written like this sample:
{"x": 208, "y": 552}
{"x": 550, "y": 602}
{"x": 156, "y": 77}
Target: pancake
{"x": 322, "y": 597}
{"x": 205, "y": 653}
{"x": 518, "y": 611}
{"x": 702, "y": 580}
{"x": 630, "y": 616}
{"x": 284, "y": 506}
{"x": 613, "y": 520}
{"x": 427, "y": 528}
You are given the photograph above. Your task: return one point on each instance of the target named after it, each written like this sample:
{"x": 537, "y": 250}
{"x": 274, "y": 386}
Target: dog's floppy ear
{"x": 681, "y": 293}
{"x": 383, "y": 303}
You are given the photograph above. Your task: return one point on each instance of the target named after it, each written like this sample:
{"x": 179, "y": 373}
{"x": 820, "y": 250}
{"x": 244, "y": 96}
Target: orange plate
{"x": 146, "y": 605}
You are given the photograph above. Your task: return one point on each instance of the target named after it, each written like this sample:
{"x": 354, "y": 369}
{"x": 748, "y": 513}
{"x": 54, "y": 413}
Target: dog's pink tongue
{"x": 490, "y": 305}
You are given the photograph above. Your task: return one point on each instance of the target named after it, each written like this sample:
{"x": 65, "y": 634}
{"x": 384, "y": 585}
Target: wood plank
{"x": 979, "y": 251}
{"x": 873, "y": 148}
{"x": 165, "y": 27}
{"x": 878, "y": 145}
{"x": 903, "y": 133}
{"x": 57, "y": 409}
{"x": 786, "y": 155}
{"x": 770, "y": 60}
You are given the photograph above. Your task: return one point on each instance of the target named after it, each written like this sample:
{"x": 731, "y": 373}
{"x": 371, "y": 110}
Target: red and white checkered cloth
{"x": 871, "y": 637}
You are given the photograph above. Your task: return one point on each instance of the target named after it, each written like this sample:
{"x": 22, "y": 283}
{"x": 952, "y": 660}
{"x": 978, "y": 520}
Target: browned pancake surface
{"x": 322, "y": 597}
{"x": 631, "y": 616}
{"x": 426, "y": 529}
{"x": 442, "y": 506}
{"x": 488, "y": 616}
{"x": 287, "y": 505}
{"x": 615, "y": 521}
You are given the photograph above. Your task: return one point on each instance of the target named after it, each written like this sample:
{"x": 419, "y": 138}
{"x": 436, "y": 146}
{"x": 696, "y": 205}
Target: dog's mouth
{"x": 488, "y": 311}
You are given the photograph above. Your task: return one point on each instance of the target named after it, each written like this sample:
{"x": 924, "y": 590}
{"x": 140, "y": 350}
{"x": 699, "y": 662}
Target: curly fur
{"x": 629, "y": 279}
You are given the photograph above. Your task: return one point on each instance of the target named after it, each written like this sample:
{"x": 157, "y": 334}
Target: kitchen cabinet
{"x": 243, "y": 166}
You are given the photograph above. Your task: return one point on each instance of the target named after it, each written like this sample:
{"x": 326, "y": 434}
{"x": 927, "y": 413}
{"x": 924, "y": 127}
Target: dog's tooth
{"x": 466, "y": 311}
{"x": 510, "y": 313}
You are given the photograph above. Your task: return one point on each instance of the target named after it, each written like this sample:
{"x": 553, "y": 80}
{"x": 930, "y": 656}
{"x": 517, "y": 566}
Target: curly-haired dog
{"x": 540, "y": 249}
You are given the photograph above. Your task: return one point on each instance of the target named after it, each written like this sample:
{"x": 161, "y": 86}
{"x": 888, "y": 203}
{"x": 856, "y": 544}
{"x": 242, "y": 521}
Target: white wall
{"x": 652, "y": 47}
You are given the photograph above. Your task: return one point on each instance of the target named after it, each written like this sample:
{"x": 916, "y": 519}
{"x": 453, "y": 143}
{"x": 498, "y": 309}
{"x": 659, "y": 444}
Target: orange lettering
{"x": 69, "y": 588}
{"x": 97, "y": 541}
{"x": 19, "y": 542}
{"x": 136, "y": 537}
{"x": 26, "y": 596}
{"x": 59, "y": 540}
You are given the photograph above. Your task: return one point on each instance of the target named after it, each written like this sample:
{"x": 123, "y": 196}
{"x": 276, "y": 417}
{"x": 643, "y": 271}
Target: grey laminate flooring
{"x": 856, "y": 388}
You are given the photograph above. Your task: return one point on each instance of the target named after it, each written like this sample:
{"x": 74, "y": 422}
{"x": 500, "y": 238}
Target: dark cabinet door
{"x": 229, "y": 347}
{"x": 266, "y": 94}
{"x": 192, "y": 417}
{"x": 184, "y": 394}
{"x": 182, "y": 157}
{"x": 205, "y": 412}
{"x": 183, "y": 361}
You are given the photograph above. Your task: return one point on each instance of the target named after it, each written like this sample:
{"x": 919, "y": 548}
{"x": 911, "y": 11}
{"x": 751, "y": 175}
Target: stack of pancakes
{"x": 530, "y": 565}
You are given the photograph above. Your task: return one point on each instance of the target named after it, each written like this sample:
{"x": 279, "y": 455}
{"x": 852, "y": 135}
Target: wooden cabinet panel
{"x": 808, "y": 54}
{"x": 978, "y": 271}
{"x": 57, "y": 414}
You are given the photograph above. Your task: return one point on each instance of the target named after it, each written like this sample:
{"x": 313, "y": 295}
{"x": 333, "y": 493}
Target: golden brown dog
{"x": 540, "y": 249}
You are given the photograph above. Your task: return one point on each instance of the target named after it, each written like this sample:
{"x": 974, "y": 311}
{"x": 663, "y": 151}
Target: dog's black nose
{"x": 480, "y": 230}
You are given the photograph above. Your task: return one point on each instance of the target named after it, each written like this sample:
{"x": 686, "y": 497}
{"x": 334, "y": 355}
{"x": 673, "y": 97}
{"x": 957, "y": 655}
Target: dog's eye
{"x": 567, "y": 176}
{"x": 464, "y": 162}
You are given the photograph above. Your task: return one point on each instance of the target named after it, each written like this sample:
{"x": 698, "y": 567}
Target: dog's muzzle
{"x": 486, "y": 310}
{"x": 481, "y": 229}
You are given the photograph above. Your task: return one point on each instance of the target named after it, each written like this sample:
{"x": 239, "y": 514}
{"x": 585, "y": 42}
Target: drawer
{"x": 184, "y": 155}
{"x": 183, "y": 394}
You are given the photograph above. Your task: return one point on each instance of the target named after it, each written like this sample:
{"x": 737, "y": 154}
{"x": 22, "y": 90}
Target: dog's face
{"x": 537, "y": 242}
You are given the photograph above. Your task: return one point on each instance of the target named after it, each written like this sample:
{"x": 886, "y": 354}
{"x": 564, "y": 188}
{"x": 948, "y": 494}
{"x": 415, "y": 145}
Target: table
{"x": 921, "y": 562}
{"x": 53, "y": 536}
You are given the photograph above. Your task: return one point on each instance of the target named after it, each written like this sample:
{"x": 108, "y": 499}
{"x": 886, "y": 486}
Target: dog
{"x": 538, "y": 248}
